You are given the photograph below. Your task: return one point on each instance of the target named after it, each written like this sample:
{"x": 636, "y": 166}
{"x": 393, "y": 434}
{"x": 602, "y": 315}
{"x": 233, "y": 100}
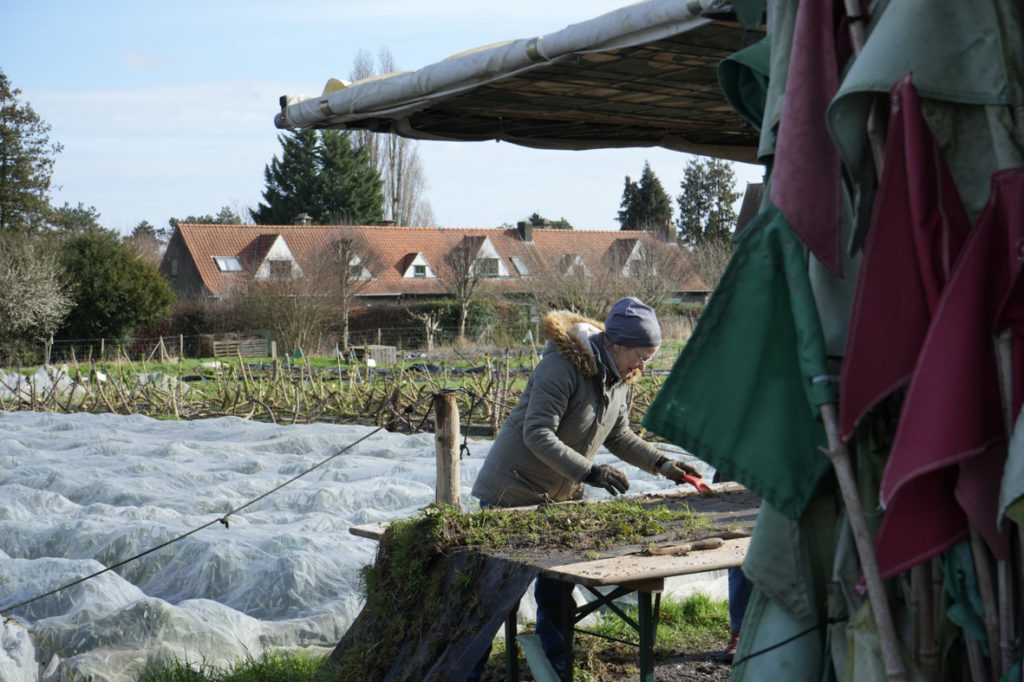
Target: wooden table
{"x": 629, "y": 571}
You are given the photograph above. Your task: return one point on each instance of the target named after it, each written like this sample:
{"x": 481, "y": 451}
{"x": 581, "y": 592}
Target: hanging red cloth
{"x": 806, "y": 171}
{"x": 947, "y": 458}
{"x": 917, "y": 229}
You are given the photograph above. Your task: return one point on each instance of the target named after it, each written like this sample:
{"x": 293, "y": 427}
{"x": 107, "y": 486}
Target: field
{"x": 300, "y": 390}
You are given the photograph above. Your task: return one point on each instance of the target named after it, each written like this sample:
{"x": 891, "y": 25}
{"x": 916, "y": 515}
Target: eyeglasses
{"x": 638, "y": 357}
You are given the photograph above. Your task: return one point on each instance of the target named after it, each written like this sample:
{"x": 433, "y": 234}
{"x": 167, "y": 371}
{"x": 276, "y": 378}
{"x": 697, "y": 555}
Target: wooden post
{"x": 837, "y": 452}
{"x": 446, "y": 445}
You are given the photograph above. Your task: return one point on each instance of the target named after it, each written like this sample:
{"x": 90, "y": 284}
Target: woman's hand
{"x": 607, "y": 477}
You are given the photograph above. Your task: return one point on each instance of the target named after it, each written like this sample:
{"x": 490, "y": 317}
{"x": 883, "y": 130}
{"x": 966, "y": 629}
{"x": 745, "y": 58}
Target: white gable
{"x": 574, "y": 265}
{"x": 636, "y": 260}
{"x": 278, "y": 263}
{"x": 419, "y": 268}
{"x": 489, "y": 260}
{"x": 357, "y": 268}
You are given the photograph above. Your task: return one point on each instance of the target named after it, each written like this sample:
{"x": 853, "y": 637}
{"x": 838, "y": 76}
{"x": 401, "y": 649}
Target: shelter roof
{"x": 642, "y": 75}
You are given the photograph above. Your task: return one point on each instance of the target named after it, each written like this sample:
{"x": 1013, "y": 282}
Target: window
{"x": 419, "y": 271}
{"x": 487, "y": 267}
{"x": 227, "y": 263}
{"x": 174, "y": 267}
{"x": 280, "y": 269}
{"x": 520, "y": 266}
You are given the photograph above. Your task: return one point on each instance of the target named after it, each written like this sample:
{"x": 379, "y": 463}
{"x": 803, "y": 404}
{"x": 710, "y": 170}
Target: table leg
{"x": 647, "y": 619}
{"x": 511, "y": 648}
{"x": 568, "y": 617}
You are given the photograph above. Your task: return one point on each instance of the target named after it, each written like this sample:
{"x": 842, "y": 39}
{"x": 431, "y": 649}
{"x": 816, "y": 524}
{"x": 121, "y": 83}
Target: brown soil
{"x": 613, "y": 662}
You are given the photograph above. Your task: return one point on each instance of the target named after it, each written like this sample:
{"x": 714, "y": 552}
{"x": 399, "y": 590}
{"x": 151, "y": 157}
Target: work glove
{"x": 674, "y": 469}
{"x": 607, "y": 477}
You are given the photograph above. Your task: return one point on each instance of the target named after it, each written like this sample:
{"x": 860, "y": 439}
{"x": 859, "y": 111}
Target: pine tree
{"x": 646, "y": 205}
{"x": 350, "y": 189}
{"x": 706, "y": 214}
{"x": 115, "y": 291}
{"x": 320, "y": 173}
{"x": 26, "y": 163}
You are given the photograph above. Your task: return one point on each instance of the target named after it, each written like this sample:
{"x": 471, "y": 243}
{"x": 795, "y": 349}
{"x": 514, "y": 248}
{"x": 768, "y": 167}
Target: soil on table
{"x": 731, "y": 508}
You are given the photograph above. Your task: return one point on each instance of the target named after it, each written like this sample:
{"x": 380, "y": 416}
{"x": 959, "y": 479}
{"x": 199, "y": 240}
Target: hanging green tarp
{"x": 744, "y": 392}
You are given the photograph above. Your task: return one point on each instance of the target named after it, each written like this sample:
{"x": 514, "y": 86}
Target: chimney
{"x": 303, "y": 219}
{"x": 525, "y": 229}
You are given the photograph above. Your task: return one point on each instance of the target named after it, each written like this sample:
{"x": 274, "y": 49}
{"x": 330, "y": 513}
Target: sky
{"x": 167, "y": 109}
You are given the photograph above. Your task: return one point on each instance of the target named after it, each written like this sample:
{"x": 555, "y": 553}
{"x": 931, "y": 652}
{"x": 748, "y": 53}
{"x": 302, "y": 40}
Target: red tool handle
{"x": 697, "y": 482}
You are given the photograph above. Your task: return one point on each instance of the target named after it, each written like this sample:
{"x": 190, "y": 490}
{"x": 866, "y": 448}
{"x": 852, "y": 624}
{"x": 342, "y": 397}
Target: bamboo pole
{"x": 840, "y": 458}
{"x": 925, "y": 642}
{"x": 837, "y": 450}
{"x": 983, "y": 570}
{"x": 446, "y": 443}
{"x": 1005, "y": 606}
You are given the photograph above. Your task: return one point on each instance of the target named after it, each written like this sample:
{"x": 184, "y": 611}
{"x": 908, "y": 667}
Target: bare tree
{"x": 297, "y": 304}
{"x": 568, "y": 284}
{"x": 291, "y": 308}
{"x": 655, "y": 272}
{"x": 710, "y": 259}
{"x": 462, "y": 279}
{"x": 431, "y": 325}
{"x": 373, "y": 143}
{"x": 350, "y": 271}
{"x": 396, "y": 158}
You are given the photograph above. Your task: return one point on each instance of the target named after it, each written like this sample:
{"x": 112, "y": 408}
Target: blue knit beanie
{"x": 632, "y": 323}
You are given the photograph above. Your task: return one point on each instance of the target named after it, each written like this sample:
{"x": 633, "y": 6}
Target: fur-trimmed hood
{"x": 572, "y": 335}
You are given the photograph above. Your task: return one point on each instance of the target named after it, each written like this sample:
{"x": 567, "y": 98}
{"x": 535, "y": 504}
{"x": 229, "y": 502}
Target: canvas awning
{"x": 640, "y": 76}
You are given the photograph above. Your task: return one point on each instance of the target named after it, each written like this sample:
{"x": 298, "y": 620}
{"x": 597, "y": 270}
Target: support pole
{"x": 840, "y": 457}
{"x": 446, "y": 446}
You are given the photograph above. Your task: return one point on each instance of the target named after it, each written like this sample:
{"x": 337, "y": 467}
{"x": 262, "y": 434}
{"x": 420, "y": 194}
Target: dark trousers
{"x": 739, "y": 595}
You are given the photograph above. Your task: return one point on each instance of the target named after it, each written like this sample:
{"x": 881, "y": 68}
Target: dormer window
{"x": 280, "y": 269}
{"x": 227, "y": 263}
{"x": 487, "y": 267}
{"x": 419, "y": 271}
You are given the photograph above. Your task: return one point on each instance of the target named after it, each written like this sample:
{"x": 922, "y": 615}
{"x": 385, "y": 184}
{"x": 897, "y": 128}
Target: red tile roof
{"x": 387, "y": 251}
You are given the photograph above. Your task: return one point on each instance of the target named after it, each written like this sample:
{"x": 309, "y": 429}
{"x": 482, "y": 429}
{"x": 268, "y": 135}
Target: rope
{"x": 224, "y": 520}
{"x": 818, "y": 626}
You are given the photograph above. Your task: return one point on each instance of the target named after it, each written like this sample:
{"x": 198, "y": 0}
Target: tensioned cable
{"x": 818, "y": 626}
{"x": 222, "y": 519}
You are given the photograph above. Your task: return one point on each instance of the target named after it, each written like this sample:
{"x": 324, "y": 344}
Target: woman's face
{"x": 629, "y": 358}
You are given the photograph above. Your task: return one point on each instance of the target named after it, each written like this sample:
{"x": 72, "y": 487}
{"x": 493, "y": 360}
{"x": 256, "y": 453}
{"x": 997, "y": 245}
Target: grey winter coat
{"x": 572, "y": 404}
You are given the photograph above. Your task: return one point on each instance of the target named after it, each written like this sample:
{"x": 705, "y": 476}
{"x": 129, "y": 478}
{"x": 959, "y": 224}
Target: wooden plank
{"x": 539, "y": 664}
{"x": 634, "y": 567}
{"x": 373, "y": 531}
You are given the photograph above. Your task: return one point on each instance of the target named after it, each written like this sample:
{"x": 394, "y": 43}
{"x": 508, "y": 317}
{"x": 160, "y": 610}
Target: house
{"x": 390, "y": 263}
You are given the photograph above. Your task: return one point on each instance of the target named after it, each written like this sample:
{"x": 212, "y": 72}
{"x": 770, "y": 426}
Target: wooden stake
{"x": 840, "y": 457}
{"x": 446, "y": 445}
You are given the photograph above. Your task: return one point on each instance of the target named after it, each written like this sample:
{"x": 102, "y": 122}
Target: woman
{"x": 574, "y": 402}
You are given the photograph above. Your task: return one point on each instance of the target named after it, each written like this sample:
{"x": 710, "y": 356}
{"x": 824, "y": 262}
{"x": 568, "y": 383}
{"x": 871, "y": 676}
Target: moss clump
{"x": 410, "y": 613}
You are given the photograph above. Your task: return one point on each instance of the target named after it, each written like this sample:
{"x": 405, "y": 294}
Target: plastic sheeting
{"x": 82, "y": 491}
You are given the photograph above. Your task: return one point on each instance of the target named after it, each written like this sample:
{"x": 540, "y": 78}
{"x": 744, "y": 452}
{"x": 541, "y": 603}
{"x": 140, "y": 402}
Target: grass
{"x": 270, "y": 667}
{"x": 696, "y": 623}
